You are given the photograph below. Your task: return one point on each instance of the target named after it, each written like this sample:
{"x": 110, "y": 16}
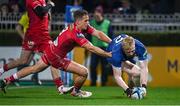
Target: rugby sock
{"x": 10, "y": 79}
{"x": 15, "y": 76}
{"x": 58, "y": 82}
{"x": 5, "y": 67}
{"x": 77, "y": 87}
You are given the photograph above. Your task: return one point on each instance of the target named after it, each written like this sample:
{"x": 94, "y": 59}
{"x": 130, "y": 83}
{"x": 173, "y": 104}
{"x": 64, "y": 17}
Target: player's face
{"x": 83, "y": 23}
{"x": 130, "y": 52}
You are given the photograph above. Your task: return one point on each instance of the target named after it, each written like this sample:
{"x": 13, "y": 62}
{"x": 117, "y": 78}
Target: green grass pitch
{"x": 47, "y": 95}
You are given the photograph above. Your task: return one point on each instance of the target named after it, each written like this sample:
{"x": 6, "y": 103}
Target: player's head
{"x": 128, "y": 45}
{"x": 81, "y": 19}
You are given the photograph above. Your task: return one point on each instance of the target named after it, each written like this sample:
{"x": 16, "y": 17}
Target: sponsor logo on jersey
{"x": 80, "y": 35}
{"x": 31, "y": 44}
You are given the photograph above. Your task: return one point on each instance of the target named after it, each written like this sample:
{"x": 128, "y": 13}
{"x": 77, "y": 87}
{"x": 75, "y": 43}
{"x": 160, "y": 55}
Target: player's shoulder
{"x": 139, "y": 43}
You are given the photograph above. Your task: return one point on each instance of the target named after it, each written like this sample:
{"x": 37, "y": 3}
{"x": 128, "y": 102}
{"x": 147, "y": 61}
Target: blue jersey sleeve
{"x": 141, "y": 50}
{"x": 116, "y": 58}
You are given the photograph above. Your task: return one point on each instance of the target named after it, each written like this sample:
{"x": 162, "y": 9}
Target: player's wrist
{"x": 108, "y": 54}
{"x": 144, "y": 85}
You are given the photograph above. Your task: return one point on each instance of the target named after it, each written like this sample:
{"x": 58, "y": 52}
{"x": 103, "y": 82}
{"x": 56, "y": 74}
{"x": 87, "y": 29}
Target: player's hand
{"x": 128, "y": 92}
{"x": 109, "y": 54}
{"x": 51, "y": 3}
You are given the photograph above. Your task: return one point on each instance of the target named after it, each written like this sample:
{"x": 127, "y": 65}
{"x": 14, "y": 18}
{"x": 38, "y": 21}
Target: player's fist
{"x": 128, "y": 92}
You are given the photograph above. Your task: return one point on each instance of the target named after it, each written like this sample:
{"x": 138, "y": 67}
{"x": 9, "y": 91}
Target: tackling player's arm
{"x": 101, "y": 35}
{"x": 96, "y": 50}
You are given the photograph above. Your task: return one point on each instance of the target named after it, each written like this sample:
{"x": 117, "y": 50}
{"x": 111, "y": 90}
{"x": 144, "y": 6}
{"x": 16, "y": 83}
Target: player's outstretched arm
{"x": 117, "y": 72}
{"x": 97, "y": 50}
{"x": 144, "y": 71}
{"x": 102, "y": 36}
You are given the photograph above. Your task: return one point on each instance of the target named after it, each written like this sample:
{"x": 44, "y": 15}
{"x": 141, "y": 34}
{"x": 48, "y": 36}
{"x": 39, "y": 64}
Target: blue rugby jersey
{"x": 118, "y": 55}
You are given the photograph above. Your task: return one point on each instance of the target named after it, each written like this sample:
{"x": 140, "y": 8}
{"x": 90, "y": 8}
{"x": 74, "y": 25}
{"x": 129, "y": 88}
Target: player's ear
{"x": 77, "y": 22}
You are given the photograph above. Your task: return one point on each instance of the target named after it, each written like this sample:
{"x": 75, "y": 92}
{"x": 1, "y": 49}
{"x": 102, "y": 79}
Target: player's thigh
{"x": 77, "y": 68}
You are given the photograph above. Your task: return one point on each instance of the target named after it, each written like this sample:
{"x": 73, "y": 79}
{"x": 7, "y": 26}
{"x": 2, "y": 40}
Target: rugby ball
{"x": 138, "y": 93}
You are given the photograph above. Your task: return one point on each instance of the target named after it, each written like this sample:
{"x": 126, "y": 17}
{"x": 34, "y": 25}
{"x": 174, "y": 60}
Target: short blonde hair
{"x": 128, "y": 42}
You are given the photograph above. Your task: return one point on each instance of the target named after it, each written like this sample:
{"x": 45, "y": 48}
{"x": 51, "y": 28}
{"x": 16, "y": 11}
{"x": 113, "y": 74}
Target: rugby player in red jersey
{"x": 55, "y": 54}
{"x": 36, "y": 38}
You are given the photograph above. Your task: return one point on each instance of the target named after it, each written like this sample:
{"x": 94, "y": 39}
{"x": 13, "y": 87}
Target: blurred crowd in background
{"x": 109, "y": 6}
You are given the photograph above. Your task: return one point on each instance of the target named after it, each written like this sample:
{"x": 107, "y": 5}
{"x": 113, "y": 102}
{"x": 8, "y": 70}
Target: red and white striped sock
{"x": 58, "y": 82}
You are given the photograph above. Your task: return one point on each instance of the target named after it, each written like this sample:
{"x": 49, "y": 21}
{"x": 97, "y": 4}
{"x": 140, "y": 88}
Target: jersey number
{"x": 119, "y": 39}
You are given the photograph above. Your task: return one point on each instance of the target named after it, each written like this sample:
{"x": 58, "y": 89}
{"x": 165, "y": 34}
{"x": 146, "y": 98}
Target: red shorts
{"x": 36, "y": 42}
{"x": 57, "y": 62}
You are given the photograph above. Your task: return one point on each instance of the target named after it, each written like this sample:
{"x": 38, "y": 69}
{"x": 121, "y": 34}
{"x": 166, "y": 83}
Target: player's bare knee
{"x": 84, "y": 72}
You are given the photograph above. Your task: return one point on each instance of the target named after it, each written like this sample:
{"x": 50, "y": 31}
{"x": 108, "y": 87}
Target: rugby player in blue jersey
{"x": 126, "y": 51}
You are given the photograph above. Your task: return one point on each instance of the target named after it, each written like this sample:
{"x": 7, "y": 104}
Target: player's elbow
{"x": 117, "y": 77}
{"x": 89, "y": 47}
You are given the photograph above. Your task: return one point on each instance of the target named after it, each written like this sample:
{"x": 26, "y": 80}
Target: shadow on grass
{"x": 11, "y": 97}
{"x": 68, "y": 97}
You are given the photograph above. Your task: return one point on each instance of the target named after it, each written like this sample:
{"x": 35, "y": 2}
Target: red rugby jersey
{"x": 68, "y": 39}
{"x": 36, "y": 24}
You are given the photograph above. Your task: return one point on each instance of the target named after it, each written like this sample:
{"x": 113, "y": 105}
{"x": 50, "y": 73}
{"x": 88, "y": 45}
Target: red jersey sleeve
{"x": 80, "y": 39}
{"x": 90, "y": 29}
{"x": 34, "y": 3}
